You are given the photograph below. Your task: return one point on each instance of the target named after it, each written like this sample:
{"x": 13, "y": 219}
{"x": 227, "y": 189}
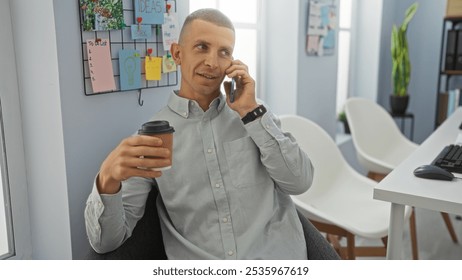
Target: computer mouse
{"x": 433, "y": 172}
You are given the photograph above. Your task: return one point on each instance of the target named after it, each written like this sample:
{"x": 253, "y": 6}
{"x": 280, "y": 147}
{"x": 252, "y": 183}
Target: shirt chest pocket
{"x": 245, "y": 167}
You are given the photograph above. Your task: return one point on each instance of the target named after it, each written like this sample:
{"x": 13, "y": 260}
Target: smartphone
{"x": 232, "y": 90}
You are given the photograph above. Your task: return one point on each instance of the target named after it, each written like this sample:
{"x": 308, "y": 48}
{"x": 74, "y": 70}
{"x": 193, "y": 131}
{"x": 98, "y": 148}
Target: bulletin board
{"x": 119, "y": 39}
{"x": 321, "y": 27}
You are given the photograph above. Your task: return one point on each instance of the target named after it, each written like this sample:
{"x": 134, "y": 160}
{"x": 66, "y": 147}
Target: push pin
{"x": 168, "y": 8}
{"x": 139, "y": 20}
{"x": 149, "y": 53}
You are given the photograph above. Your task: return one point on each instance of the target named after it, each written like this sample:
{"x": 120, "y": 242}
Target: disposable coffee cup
{"x": 162, "y": 130}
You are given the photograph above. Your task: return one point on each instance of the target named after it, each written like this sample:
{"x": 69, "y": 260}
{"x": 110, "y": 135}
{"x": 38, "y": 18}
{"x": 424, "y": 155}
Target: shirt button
{"x": 217, "y": 185}
{"x": 225, "y": 220}
{"x": 209, "y": 151}
{"x": 267, "y": 126}
{"x": 185, "y": 114}
{"x": 230, "y": 252}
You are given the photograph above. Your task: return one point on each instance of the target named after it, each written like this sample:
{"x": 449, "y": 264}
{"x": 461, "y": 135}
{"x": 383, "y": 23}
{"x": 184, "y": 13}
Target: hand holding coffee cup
{"x": 163, "y": 130}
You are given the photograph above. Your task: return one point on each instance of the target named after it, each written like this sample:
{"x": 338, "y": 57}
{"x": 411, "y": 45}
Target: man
{"x": 227, "y": 194}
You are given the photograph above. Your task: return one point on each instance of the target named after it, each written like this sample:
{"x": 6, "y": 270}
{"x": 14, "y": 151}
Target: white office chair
{"x": 340, "y": 201}
{"x": 379, "y": 143}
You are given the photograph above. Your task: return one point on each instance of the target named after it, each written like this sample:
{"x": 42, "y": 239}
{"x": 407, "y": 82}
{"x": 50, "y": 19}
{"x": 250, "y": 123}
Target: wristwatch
{"x": 253, "y": 115}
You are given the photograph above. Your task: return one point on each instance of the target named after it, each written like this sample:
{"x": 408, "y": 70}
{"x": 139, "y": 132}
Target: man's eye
{"x": 225, "y": 53}
{"x": 201, "y": 47}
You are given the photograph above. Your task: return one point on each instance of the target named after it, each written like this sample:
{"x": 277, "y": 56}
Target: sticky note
{"x": 141, "y": 31}
{"x": 153, "y": 66}
{"x": 100, "y": 65}
{"x": 168, "y": 64}
{"x": 130, "y": 69}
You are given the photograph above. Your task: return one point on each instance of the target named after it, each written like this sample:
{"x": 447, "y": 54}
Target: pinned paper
{"x": 152, "y": 11}
{"x": 100, "y": 65}
{"x": 102, "y": 15}
{"x": 141, "y": 31}
{"x": 153, "y": 66}
{"x": 130, "y": 69}
{"x": 168, "y": 64}
{"x": 170, "y": 30}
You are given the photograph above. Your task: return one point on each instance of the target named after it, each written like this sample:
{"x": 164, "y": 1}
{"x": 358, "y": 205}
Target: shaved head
{"x": 210, "y": 15}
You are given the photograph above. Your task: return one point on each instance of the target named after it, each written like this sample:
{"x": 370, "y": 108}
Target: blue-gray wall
{"x": 92, "y": 125}
{"x": 424, "y": 36}
{"x": 317, "y": 81}
{"x": 294, "y": 83}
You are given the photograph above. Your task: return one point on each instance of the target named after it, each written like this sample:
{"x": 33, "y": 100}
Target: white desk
{"x": 402, "y": 188}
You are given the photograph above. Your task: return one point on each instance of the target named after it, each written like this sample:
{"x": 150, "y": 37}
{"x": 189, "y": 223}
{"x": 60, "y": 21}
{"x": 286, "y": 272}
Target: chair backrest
{"x": 370, "y": 125}
{"x": 320, "y": 148}
{"x": 375, "y": 133}
{"x": 146, "y": 240}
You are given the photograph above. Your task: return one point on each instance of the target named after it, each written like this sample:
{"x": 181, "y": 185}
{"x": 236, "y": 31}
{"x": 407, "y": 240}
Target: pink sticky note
{"x": 100, "y": 65}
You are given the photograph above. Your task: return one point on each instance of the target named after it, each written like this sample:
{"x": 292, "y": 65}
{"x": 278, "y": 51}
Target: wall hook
{"x": 140, "y": 102}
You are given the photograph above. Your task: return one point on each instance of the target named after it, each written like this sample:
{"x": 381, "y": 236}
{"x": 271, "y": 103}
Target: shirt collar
{"x": 183, "y": 106}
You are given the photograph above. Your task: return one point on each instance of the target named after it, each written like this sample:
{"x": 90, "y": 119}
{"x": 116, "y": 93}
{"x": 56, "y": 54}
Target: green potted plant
{"x": 342, "y": 117}
{"x": 401, "y": 71}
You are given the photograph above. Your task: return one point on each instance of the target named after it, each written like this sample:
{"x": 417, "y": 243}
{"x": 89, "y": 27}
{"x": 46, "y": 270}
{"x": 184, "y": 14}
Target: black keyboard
{"x": 450, "y": 158}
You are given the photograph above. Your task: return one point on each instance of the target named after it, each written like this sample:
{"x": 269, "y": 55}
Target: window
{"x": 344, "y": 46}
{"x": 6, "y": 238}
{"x": 15, "y": 237}
{"x": 246, "y": 22}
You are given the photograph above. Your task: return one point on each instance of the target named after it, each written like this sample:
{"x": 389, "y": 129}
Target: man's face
{"x": 205, "y": 52}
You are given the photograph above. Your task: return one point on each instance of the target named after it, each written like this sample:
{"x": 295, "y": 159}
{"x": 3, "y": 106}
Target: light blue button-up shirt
{"x": 227, "y": 195}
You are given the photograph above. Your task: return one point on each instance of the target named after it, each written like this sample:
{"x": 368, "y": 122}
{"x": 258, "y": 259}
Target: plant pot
{"x": 399, "y": 104}
{"x": 346, "y": 127}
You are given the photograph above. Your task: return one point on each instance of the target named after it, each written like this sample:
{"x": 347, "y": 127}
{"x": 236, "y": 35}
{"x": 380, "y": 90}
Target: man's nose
{"x": 211, "y": 60}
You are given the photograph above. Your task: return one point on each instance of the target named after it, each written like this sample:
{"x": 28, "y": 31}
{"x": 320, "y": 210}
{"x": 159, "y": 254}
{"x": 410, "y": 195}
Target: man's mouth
{"x": 207, "y": 76}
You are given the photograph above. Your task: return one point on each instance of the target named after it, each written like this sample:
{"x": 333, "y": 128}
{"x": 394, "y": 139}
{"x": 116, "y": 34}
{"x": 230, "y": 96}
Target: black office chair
{"x": 145, "y": 242}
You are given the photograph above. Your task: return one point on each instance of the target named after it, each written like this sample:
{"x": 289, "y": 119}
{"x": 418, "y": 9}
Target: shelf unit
{"x": 445, "y": 75}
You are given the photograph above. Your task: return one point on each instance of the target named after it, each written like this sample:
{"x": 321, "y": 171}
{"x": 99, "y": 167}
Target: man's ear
{"x": 175, "y": 49}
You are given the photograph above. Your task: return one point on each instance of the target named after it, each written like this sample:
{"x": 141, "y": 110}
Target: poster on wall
{"x": 102, "y": 15}
{"x": 321, "y": 27}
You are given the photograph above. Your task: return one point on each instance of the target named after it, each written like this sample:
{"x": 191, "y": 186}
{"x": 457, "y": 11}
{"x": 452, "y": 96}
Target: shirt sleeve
{"x": 111, "y": 218}
{"x": 284, "y": 160}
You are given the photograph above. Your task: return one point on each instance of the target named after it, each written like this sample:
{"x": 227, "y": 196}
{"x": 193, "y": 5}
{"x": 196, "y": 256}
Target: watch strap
{"x": 253, "y": 115}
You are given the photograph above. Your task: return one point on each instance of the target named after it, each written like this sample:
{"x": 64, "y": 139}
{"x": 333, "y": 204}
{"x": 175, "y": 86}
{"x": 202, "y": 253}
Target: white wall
{"x": 365, "y": 71}
{"x": 37, "y": 66}
{"x": 280, "y": 54}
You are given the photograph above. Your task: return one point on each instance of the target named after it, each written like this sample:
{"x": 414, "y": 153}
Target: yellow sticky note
{"x": 153, "y": 66}
{"x": 168, "y": 64}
